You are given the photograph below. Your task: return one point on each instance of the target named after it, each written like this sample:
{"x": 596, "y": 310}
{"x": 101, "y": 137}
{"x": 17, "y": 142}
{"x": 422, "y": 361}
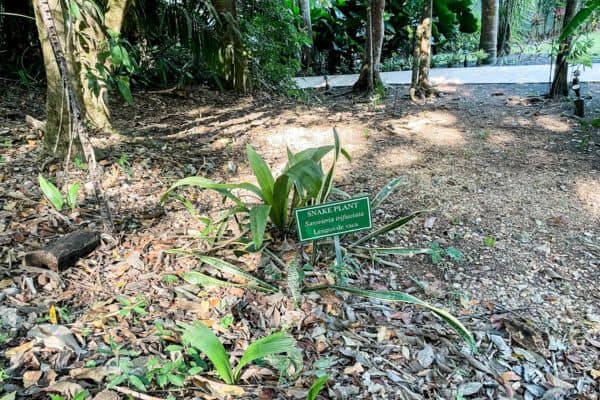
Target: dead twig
{"x": 134, "y": 394}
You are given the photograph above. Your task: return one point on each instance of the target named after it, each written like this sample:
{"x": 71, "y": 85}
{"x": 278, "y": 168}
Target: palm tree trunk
{"x": 306, "y": 50}
{"x": 488, "y": 39}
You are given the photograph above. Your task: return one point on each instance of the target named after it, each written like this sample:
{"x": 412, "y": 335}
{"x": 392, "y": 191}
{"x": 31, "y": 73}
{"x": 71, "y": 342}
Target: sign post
{"x": 333, "y": 219}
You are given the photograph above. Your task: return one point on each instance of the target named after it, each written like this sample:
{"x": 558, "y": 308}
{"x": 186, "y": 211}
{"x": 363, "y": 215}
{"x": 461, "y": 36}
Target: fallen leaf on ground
{"x": 354, "y": 369}
{"x": 217, "y": 388}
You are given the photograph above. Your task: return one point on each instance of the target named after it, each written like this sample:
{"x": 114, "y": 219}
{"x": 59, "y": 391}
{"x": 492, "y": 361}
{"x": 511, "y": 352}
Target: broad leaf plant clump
{"x": 266, "y": 219}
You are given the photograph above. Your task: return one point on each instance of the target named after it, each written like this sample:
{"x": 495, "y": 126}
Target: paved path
{"x": 457, "y": 76}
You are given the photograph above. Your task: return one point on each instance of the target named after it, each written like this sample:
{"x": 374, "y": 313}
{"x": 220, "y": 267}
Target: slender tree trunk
{"x": 560, "y": 85}
{"x": 306, "y": 50}
{"x": 488, "y": 41}
{"x": 235, "y": 63}
{"x": 420, "y": 85}
{"x": 504, "y": 26}
{"x": 369, "y": 73}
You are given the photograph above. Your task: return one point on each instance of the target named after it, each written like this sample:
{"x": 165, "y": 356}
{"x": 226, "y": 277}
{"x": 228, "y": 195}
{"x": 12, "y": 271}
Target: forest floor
{"x": 513, "y": 181}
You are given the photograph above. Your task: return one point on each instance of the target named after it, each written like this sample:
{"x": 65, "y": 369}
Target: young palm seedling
{"x": 200, "y": 337}
{"x": 55, "y": 197}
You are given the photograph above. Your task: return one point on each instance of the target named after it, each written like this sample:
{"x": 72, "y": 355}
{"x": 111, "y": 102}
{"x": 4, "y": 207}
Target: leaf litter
{"x": 530, "y": 299}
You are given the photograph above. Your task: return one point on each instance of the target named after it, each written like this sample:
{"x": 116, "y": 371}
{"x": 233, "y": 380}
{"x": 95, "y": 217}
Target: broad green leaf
{"x": 277, "y": 343}
{"x": 72, "y": 195}
{"x": 176, "y": 380}
{"x": 307, "y": 176}
{"x": 9, "y": 396}
{"x": 123, "y": 86}
{"x": 137, "y": 382}
{"x": 116, "y": 54}
{"x": 404, "y": 298}
{"x": 281, "y": 196}
{"x": 262, "y": 172}
{"x": 203, "y": 339}
{"x": 387, "y": 190}
{"x": 313, "y": 153}
{"x": 259, "y": 215}
{"x": 579, "y": 19}
{"x": 74, "y": 9}
{"x": 388, "y": 228}
{"x": 51, "y": 192}
{"x": 316, "y": 387}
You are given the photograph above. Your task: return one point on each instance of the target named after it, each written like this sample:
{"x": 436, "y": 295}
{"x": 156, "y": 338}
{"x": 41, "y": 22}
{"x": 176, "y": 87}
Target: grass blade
{"x": 262, "y": 172}
{"x": 316, "y": 387}
{"x": 387, "y": 190}
{"x": 259, "y": 215}
{"x": 404, "y": 298}
{"x": 388, "y": 228}
{"x": 51, "y": 192}
{"x": 398, "y": 251}
{"x": 202, "y": 338}
{"x": 277, "y": 343}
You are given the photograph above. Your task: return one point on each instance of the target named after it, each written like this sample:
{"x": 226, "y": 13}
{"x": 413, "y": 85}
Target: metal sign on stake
{"x": 333, "y": 219}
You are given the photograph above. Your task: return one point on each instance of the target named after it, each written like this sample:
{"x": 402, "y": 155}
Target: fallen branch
{"x": 65, "y": 251}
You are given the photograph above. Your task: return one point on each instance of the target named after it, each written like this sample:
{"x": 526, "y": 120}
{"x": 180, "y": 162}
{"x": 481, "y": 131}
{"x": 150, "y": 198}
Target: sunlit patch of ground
{"x": 552, "y": 123}
{"x": 432, "y": 127}
{"x": 588, "y": 192}
{"x": 501, "y": 138}
{"x": 400, "y": 157}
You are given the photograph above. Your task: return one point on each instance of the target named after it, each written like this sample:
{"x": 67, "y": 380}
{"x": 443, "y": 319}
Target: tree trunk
{"x": 504, "y": 26}
{"x": 306, "y": 50}
{"x": 369, "y": 73}
{"x": 97, "y": 111}
{"x": 488, "y": 40}
{"x": 235, "y": 63}
{"x": 57, "y": 137}
{"x": 94, "y": 108}
{"x": 560, "y": 85}
{"x": 420, "y": 85}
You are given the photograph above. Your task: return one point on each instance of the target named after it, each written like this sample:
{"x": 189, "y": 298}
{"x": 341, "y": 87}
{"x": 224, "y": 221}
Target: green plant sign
{"x": 335, "y": 218}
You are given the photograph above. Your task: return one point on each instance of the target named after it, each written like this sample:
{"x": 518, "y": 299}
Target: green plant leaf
{"x": 51, "y": 192}
{"x": 454, "y": 254}
{"x": 388, "y": 228}
{"x": 316, "y": 387}
{"x": 281, "y": 196}
{"x": 124, "y": 90}
{"x": 203, "y": 339}
{"x": 224, "y": 266}
{"x": 328, "y": 181}
{"x": 72, "y": 195}
{"x": 277, "y": 343}
{"x": 262, "y": 172}
{"x": 386, "y": 191}
{"x": 404, "y": 298}
{"x": 223, "y": 188}
{"x": 579, "y": 19}
{"x": 137, "y": 382}
{"x": 198, "y": 278}
{"x": 307, "y": 175}
{"x": 259, "y": 216}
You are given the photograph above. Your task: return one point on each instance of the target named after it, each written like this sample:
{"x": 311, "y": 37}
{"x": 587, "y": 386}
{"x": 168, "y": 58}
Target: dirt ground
{"x": 512, "y": 180}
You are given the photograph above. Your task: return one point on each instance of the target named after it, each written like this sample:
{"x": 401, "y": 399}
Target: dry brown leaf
{"x": 595, "y": 374}
{"x": 107, "y": 395}
{"x": 95, "y": 374}
{"x": 217, "y": 388}
{"x": 354, "y": 369}
{"x": 66, "y": 388}
{"x": 10, "y": 353}
{"x": 509, "y": 376}
{"x": 31, "y": 378}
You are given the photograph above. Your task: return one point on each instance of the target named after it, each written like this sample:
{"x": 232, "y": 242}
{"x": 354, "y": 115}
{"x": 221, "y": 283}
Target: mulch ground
{"x": 512, "y": 181}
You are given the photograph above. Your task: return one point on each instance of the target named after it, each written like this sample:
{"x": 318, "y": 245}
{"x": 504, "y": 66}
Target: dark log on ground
{"x": 579, "y": 108}
{"x": 65, "y": 251}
